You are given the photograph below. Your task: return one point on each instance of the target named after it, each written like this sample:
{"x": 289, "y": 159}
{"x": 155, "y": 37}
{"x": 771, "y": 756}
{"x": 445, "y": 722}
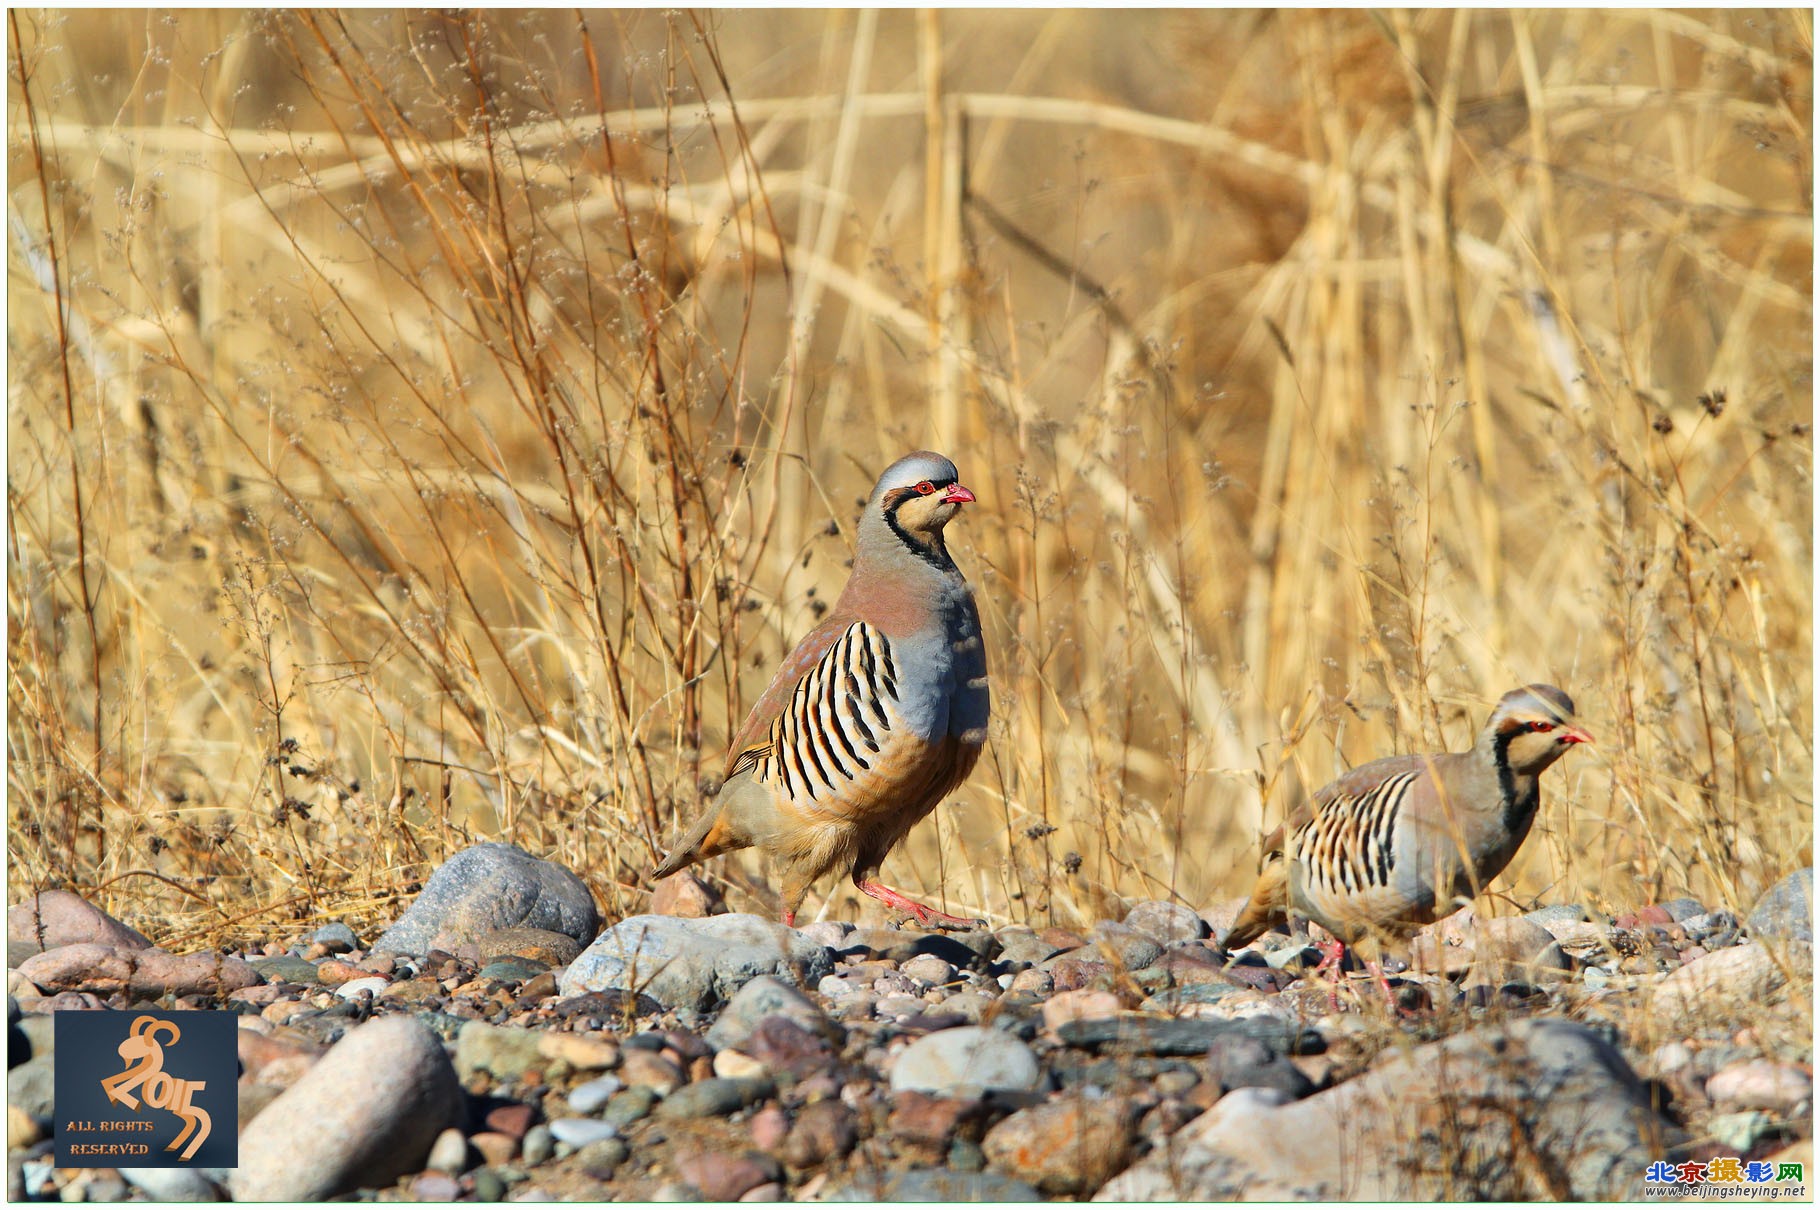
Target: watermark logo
{"x": 146, "y": 1089}
{"x": 1727, "y": 1177}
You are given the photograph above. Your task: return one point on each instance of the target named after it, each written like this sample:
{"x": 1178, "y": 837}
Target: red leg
{"x": 1331, "y": 954}
{"x": 789, "y": 920}
{"x": 924, "y": 915}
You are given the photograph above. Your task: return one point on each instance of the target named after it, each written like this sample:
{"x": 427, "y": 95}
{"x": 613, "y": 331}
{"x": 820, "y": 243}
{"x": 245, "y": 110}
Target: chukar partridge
{"x": 1394, "y": 844}
{"x": 878, "y": 714}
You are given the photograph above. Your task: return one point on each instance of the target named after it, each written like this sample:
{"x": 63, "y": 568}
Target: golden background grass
{"x": 433, "y": 427}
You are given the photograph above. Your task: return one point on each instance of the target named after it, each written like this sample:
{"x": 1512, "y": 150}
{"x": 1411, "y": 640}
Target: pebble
{"x": 286, "y": 968}
{"x": 335, "y": 938}
{"x": 372, "y": 985}
{"x": 1124, "y": 946}
{"x": 512, "y": 970}
{"x": 173, "y": 1184}
{"x": 643, "y": 1069}
{"x": 1739, "y": 1132}
{"x": 826, "y": 933}
{"x": 589, "y": 1097}
{"x": 765, "y": 997}
{"x": 599, "y": 1160}
{"x": 929, "y": 970}
{"x": 1165, "y": 922}
{"x": 687, "y": 894}
{"x": 723, "y": 1178}
{"x": 632, "y": 1105}
{"x": 539, "y": 947}
{"x": 693, "y": 965}
{"x": 505, "y": 1053}
{"x": 824, "y": 1130}
{"x": 1080, "y": 1006}
{"x": 579, "y": 1051}
{"x": 714, "y": 1097}
{"x": 434, "y": 1187}
{"x": 449, "y": 1153}
{"x": 493, "y": 1147}
{"x": 492, "y": 886}
{"x": 579, "y": 1132}
{"x": 1761, "y": 1084}
{"x": 970, "y": 1058}
{"x": 489, "y": 1186}
{"x": 1065, "y": 1148}
{"x": 539, "y": 1145}
{"x": 934, "y": 1185}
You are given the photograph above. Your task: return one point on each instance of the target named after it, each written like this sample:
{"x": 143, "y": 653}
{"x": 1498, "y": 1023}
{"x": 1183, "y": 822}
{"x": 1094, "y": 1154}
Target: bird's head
{"x": 918, "y": 494}
{"x": 1534, "y": 726}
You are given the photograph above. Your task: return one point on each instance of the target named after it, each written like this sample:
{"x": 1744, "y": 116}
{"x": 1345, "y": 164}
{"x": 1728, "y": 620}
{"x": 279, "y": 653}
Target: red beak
{"x": 1573, "y": 735}
{"x": 958, "y": 494}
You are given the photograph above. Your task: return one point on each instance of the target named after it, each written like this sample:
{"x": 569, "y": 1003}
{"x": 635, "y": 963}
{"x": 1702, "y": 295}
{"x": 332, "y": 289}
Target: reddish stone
{"x": 1654, "y": 914}
{"x": 686, "y": 895}
{"x": 1061, "y": 938}
{"x": 1072, "y": 974}
{"x": 931, "y": 1119}
{"x": 824, "y": 1130}
{"x": 724, "y": 1178}
{"x": 513, "y": 1120}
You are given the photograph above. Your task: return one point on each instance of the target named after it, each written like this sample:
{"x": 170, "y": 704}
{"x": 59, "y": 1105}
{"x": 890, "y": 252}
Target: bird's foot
{"x": 789, "y": 920}
{"x": 1332, "y": 951}
{"x": 928, "y": 917}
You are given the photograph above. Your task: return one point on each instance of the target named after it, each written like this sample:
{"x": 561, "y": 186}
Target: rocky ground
{"x": 496, "y": 1045}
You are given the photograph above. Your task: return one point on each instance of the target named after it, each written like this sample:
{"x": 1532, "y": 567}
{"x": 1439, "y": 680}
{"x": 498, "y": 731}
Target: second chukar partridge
{"x": 878, "y": 714}
{"x": 1397, "y": 843}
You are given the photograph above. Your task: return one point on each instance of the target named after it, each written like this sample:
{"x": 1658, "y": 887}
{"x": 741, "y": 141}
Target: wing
{"x": 754, "y": 735}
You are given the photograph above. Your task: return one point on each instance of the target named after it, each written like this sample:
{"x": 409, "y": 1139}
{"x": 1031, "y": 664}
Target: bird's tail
{"x": 1269, "y": 900}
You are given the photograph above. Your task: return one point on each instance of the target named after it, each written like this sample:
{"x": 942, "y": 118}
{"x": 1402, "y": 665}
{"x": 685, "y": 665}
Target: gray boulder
{"x": 492, "y": 886}
{"x": 1785, "y": 912}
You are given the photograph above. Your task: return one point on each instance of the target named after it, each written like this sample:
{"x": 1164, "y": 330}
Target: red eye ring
{"x": 925, "y": 488}
{"x": 1539, "y": 725}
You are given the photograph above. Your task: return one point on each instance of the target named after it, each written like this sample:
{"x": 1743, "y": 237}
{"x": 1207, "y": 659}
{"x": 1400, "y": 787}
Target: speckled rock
{"x": 823, "y": 1130}
{"x": 694, "y": 965}
{"x": 765, "y": 997}
{"x": 1165, "y": 922}
{"x": 1786, "y": 910}
{"x": 492, "y": 886}
{"x": 1065, "y": 1147}
{"x": 316, "y": 1140}
{"x": 1377, "y": 1138}
{"x": 501, "y": 1051}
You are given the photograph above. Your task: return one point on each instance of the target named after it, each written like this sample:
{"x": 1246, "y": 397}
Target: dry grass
{"x": 432, "y": 427}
